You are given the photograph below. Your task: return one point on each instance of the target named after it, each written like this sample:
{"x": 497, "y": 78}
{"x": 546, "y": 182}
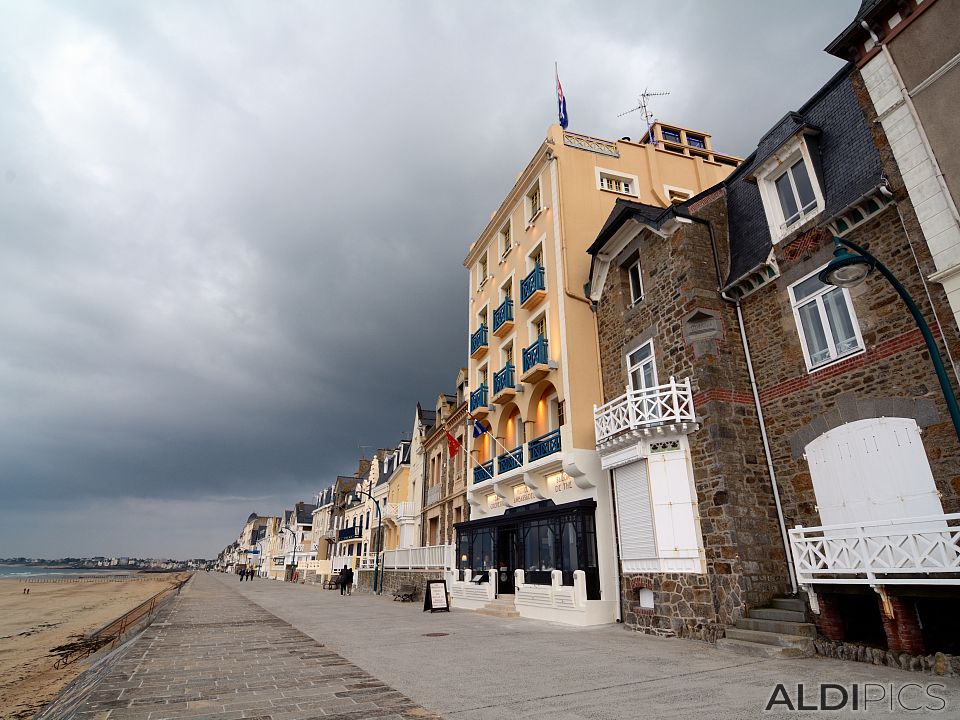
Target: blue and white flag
{"x": 561, "y": 101}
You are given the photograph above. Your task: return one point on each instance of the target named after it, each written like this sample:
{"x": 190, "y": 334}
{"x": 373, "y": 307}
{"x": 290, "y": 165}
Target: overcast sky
{"x": 232, "y": 233}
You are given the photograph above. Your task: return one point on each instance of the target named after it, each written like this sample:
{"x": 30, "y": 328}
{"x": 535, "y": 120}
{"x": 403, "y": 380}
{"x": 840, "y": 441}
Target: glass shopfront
{"x": 536, "y": 538}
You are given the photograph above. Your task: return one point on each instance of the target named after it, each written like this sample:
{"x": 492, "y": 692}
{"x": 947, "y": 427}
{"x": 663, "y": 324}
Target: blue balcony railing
{"x": 536, "y": 354}
{"x": 510, "y": 460}
{"x": 478, "y": 339}
{"x": 531, "y": 283}
{"x": 478, "y": 398}
{"x": 483, "y": 472}
{"x": 544, "y": 445}
{"x": 503, "y": 379}
{"x": 503, "y": 314}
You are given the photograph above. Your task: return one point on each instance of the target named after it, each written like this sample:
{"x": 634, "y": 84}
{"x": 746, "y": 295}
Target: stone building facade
{"x": 445, "y": 477}
{"x": 834, "y": 371}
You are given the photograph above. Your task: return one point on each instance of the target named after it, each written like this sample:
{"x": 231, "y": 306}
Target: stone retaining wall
{"x": 936, "y": 664}
{"x": 393, "y": 579}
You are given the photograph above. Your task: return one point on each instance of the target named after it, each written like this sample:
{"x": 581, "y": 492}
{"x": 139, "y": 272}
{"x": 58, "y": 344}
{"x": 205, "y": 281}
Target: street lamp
{"x": 848, "y": 270}
{"x": 293, "y": 558}
{"x": 260, "y": 542}
{"x": 376, "y": 551}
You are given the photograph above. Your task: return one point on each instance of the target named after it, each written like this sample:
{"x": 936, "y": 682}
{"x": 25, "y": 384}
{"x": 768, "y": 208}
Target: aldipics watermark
{"x": 892, "y": 697}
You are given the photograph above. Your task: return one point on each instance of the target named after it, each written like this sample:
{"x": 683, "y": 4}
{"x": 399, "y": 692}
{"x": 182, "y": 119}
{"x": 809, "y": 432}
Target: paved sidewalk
{"x": 486, "y": 668}
{"x": 214, "y": 654}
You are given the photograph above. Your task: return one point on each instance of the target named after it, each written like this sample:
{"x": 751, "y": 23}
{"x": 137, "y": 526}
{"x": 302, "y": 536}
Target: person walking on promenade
{"x": 243, "y": 573}
{"x": 349, "y": 580}
{"x": 343, "y": 579}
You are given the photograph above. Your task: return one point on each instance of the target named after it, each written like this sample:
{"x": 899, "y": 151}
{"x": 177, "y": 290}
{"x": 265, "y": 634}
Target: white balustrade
{"x": 670, "y": 404}
{"x": 914, "y": 551}
{"x": 420, "y": 558}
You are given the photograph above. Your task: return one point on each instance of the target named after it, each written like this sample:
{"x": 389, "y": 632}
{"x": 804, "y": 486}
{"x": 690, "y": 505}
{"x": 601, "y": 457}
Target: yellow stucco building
{"x": 541, "y": 532}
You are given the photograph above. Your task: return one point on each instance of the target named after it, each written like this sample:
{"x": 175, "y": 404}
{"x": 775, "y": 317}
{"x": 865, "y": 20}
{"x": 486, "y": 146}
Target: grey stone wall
{"x": 393, "y": 579}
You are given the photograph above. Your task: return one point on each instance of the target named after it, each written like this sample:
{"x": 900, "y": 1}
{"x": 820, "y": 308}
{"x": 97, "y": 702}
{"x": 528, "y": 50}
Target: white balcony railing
{"x": 669, "y": 404}
{"x": 907, "y": 551}
{"x": 406, "y": 510}
{"x": 432, "y": 557}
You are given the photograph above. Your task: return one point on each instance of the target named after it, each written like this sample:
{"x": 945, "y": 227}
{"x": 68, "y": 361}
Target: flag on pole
{"x": 453, "y": 445}
{"x": 561, "y": 101}
{"x": 478, "y": 428}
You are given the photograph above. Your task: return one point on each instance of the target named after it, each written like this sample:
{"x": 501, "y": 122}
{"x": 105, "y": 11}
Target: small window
{"x": 482, "y": 269}
{"x": 561, "y": 413}
{"x": 697, "y": 141}
{"x": 534, "y": 204}
{"x": 540, "y": 326}
{"x": 636, "y": 283}
{"x": 641, "y": 367}
{"x": 482, "y": 376}
{"x": 482, "y": 317}
{"x": 624, "y": 186}
{"x": 536, "y": 257}
{"x": 670, "y": 135}
{"x": 508, "y": 354}
{"x": 506, "y": 290}
{"x": 795, "y": 193}
{"x": 825, "y": 320}
{"x": 506, "y": 240}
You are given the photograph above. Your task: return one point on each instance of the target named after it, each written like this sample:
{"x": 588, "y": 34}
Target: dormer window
{"x": 789, "y": 188}
{"x": 795, "y": 193}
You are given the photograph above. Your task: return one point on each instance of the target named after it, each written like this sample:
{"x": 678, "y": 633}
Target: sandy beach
{"x": 30, "y": 625}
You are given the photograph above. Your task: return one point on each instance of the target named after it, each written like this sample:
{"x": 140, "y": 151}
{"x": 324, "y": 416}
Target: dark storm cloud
{"x": 232, "y": 233}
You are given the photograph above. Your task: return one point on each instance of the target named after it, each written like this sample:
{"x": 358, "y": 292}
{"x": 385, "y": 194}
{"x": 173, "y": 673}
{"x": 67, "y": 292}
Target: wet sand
{"x": 30, "y": 625}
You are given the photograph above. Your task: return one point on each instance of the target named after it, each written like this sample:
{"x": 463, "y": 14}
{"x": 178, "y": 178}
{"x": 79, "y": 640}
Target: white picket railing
{"x": 636, "y": 409}
{"x": 420, "y": 558}
{"x": 406, "y": 510}
{"x": 914, "y": 551}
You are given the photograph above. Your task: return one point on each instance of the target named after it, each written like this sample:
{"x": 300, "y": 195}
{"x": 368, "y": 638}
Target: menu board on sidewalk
{"x": 435, "y": 598}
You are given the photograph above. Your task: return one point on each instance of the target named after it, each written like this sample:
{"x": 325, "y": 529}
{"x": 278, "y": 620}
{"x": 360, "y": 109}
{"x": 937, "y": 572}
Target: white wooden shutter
{"x": 873, "y": 469}
{"x": 633, "y": 513}
{"x": 674, "y": 506}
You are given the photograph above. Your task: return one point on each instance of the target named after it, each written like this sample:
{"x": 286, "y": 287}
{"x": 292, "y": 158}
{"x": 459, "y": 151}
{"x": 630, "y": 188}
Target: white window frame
{"x": 485, "y": 312}
{"x": 533, "y": 326}
{"x": 652, "y": 361}
{"x": 771, "y": 171}
{"x": 635, "y": 300}
{"x": 817, "y": 297}
{"x": 603, "y": 176}
{"x": 533, "y": 251}
{"x": 483, "y": 273}
{"x": 529, "y": 215}
{"x": 506, "y": 228}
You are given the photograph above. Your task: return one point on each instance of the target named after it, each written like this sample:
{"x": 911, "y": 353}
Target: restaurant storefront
{"x": 538, "y": 539}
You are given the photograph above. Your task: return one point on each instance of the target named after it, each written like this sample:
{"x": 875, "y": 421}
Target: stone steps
{"x": 769, "y": 613}
{"x": 502, "y": 607}
{"x": 778, "y": 626}
{"x": 784, "y": 603}
{"x": 780, "y": 630}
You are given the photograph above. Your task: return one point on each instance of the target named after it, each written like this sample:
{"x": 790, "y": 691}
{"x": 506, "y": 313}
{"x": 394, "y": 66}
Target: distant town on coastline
{"x": 107, "y": 563}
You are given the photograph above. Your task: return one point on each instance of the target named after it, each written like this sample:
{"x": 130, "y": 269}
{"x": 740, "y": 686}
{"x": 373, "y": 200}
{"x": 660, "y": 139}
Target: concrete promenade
{"x": 486, "y": 668}
{"x": 214, "y": 654}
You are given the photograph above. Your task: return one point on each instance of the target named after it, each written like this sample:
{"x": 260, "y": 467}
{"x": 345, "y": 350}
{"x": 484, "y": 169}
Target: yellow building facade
{"x": 541, "y": 527}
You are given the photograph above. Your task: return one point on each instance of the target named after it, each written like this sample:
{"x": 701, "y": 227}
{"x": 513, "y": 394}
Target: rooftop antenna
{"x": 643, "y": 105}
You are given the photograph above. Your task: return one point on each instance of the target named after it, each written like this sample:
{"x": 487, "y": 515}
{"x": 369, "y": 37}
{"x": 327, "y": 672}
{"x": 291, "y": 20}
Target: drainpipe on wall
{"x": 791, "y": 571}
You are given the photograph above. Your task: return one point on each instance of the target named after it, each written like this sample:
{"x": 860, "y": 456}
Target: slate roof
{"x": 624, "y": 210}
{"x": 866, "y": 8}
{"x": 849, "y": 168}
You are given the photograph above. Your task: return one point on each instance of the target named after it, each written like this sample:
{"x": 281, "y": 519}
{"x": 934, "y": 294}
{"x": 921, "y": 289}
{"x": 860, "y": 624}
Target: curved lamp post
{"x": 376, "y": 551}
{"x": 849, "y": 270}
{"x": 293, "y": 559}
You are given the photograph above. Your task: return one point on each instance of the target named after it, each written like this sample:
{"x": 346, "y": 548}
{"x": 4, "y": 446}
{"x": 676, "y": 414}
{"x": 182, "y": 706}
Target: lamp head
{"x": 846, "y": 270}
